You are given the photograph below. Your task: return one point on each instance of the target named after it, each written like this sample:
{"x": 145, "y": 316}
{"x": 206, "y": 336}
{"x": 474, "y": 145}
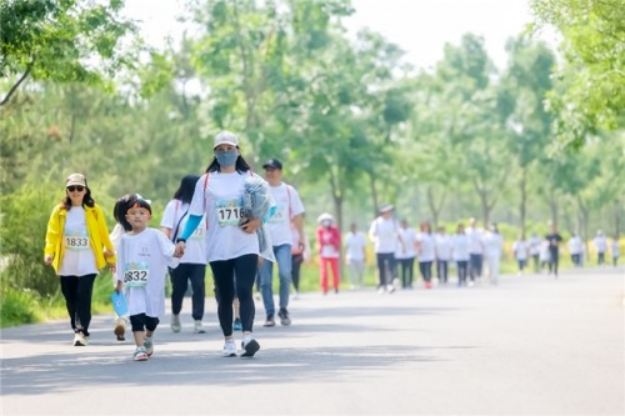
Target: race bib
{"x": 229, "y": 212}
{"x": 76, "y": 241}
{"x": 136, "y": 274}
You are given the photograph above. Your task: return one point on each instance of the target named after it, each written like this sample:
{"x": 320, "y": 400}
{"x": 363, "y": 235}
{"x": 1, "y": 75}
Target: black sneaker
{"x": 284, "y": 317}
{"x": 249, "y": 347}
{"x": 270, "y": 322}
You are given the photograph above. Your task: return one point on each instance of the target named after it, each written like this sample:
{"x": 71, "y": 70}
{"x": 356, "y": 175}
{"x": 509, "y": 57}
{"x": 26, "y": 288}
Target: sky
{"x": 420, "y": 27}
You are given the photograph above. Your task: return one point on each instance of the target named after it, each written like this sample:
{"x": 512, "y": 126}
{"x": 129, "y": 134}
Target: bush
{"x": 17, "y": 307}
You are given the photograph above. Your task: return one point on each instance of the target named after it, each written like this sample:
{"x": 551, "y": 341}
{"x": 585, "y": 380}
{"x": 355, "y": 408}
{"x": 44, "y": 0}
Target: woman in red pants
{"x": 329, "y": 244}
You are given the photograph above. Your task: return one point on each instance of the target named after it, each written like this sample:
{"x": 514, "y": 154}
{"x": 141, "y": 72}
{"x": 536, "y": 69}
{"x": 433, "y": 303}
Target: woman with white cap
{"x": 384, "y": 232}
{"x": 78, "y": 247}
{"x": 232, "y": 245}
{"x": 329, "y": 247}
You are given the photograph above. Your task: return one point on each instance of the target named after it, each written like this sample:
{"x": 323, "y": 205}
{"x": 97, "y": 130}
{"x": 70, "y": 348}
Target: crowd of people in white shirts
{"x": 473, "y": 251}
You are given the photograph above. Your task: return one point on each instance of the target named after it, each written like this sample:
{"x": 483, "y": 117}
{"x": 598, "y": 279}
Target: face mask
{"x": 227, "y": 158}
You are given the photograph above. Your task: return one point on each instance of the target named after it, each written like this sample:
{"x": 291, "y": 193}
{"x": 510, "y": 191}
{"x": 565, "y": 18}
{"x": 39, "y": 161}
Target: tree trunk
{"x": 617, "y": 218}
{"x": 435, "y": 209}
{"x": 523, "y": 206}
{"x": 374, "y": 194}
{"x": 13, "y": 89}
{"x": 553, "y": 206}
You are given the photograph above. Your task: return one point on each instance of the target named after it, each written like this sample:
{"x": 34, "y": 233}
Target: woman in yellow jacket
{"x": 78, "y": 247}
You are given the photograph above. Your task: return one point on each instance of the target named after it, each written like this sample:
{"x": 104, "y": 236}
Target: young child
{"x": 119, "y": 213}
{"x": 143, "y": 257}
{"x": 521, "y": 251}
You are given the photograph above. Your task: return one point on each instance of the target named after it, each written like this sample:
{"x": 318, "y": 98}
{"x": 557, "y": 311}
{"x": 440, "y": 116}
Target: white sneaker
{"x": 175, "y": 323}
{"x": 471, "y": 283}
{"x": 199, "y": 328}
{"x": 80, "y": 339}
{"x": 230, "y": 349}
{"x": 390, "y": 288}
{"x": 381, "y": 290}
{"x": 295, "y": 295}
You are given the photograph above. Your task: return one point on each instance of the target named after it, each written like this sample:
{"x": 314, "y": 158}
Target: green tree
{"x": 61, "y": 41}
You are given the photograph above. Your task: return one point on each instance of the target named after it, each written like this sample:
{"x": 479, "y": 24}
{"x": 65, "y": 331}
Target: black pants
{"x": 296, "y": 262}
{"x": 442, "y": 270}
{"x": 475, "y": 267}
{"x": 425, "y": 268}
{"x": 407, "y": 272}
{"x": 386, "y": 267}
{"x": 462, "y": 272}
{"x": 78, "y": 292}
{"x": 553, "y": 261}
{"x": 536, "y": 263}
{"x": 245, "y": 268}
{"x": 180, "y": 278}
{"x": 521, "y": 264}
{"x": 577, "y": 259}
{"x": 141, "y": 322}
{"x": 601, "y": 259}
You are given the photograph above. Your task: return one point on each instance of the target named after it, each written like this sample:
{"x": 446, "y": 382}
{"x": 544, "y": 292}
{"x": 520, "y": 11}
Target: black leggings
{"x": 78, "y": 292}
{"x": 179, "y": 282}
{"x": 141, "y": 322}
{"x": 426, "y": 270}
{"x": 407, "y": 272}
{"x": 245, "y": 268}
{"x": 553, "y": 261}
{"x": 462, "y": 272}
{"x": 296, "y": 261}
{"x": 442, "y": 270}
{"x": 475, "y": 266}
{"x": 386, "y": 266}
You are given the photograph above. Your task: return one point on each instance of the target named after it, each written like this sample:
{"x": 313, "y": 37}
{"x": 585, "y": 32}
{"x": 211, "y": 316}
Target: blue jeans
{"x": 285, "y": 265}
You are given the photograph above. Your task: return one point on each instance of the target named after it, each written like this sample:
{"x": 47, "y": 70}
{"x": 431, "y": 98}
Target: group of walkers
{"x": 240, "y": 225}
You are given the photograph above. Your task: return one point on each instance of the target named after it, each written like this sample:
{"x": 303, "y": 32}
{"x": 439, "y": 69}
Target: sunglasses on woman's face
{"x": 73, "y": 188}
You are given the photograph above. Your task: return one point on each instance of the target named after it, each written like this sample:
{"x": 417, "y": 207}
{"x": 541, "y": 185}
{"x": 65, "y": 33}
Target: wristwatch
{"x": 181, "y": 240}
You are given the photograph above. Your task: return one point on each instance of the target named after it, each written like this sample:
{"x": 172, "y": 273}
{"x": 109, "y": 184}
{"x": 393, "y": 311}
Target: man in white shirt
{"x": 601, "y": 245}
{"x": 289, "y": 211}
{"x": 443, "y": 245}
{"x": 355, "y": 244}
{"x": 476, "y": 250}
{"x": 535, "y": 242}
{"x": 576, "y": 250}
{"x": 384, "y": 232}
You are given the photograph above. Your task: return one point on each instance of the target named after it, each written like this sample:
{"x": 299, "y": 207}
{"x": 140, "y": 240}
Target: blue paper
{"x": 119, "y": 303}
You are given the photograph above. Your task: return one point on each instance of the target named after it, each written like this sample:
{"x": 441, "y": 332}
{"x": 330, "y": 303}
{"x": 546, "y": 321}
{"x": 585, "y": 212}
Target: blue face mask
{"x": 226, "y": 158}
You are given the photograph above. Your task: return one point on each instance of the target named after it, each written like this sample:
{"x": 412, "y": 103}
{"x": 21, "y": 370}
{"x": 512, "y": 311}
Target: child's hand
{"x": 113, "y": 268}
{"x": 118, "y": 287}
{"x": 48, "y": 259}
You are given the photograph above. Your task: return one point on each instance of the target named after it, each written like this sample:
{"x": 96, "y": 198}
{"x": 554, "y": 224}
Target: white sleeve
{"x": 167, "y": 249}
{"x": 198, "y": 204}
{"x": 297, "y": 207}
{"x": 168, "y": 220}
{"x": 119, "y": 271}
{"x": 373, "y": 230}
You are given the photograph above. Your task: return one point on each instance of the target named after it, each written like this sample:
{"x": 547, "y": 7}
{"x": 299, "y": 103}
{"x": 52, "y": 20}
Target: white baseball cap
{"x": 76, "y": 179}
{"x": 227, "y": 138}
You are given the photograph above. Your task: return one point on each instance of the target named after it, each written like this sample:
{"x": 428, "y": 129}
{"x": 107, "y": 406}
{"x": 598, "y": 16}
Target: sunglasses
{"x": 73, "y": 188}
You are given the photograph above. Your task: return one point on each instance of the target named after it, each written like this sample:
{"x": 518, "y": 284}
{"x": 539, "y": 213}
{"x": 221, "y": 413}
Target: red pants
{"x": 334, "y": 265}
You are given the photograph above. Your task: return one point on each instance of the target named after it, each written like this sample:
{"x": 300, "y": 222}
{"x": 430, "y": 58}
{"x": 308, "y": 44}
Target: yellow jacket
{"x": 96, "y": 228}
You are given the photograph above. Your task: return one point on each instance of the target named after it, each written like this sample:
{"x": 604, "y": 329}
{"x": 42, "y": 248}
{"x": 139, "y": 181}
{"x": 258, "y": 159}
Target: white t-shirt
{"x": 443, "y": 245}
{"x": 493, "y": 243}
{"x": 616, "y": 251}
{"x": 222, "y": 201}
{"x": 575, "y": 245}
{"x": 355, "y": 244}
{"x": 409, "y": 237}
{"x": 460, "y": 246}
{"x": 175, "y": 217}
{"x": 600, "y": 244}
{"x": 384, "y": 234}
{"x": 520, "y": 249}
{"x": 535, "y": 242}
{"x": 78, "y": 259}
{"x": 545, "y": 255}
{"x": 288, "y": 205}
{"x": 475, "y": 241}
{"x": 142, "y": 262}
{"x": 327, "y": 251}
{"x": 426, "y": 250}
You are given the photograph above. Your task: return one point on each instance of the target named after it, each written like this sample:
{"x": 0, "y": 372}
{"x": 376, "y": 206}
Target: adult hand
{"x": 251, "y": 226}
{"x": 48, "y": 259}
{"x": 108, "y": 253}
{"x": 113, "y": 268}
{"x": 179, "y": 251}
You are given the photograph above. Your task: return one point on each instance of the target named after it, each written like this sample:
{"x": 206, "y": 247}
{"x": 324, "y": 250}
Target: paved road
{"x": 532, "y": 345}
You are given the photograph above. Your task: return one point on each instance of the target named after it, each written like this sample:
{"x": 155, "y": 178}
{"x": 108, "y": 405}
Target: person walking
{"x": 554, "y": 240}
{"x": 355, "y": 255}
{"x": 407, "y": 255}
{"x": 119, "y": 214}
{"x": 476, "y": 250}
{"x": 460, "y": 254}
{"x": 493, "y": 246}
{"x": 576, "y": 249}
{"x": 535, "y": 242}
{"x": 601, "y": 245}
{"x": 299, "y": 255}
{"x": 616, "y": 250}
{"x": 427, "y": 254}
{"x": 443, "y": 247}
{"x": 384, "y": 232}
{"x": 329, "y": 249}
{"x": 521, "y": 251}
